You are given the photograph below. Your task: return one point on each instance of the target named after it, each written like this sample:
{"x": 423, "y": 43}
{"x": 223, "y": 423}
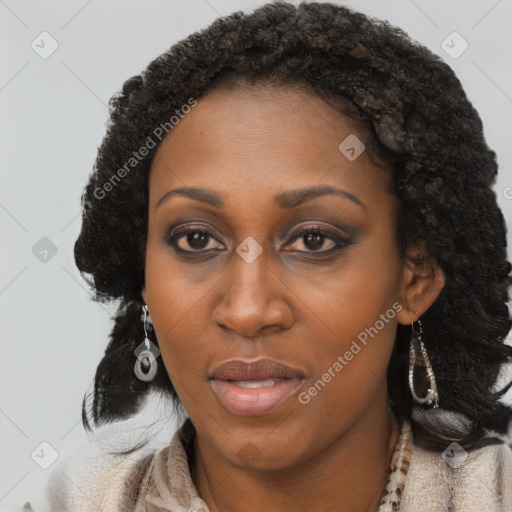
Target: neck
{"x": 349, "y": 475}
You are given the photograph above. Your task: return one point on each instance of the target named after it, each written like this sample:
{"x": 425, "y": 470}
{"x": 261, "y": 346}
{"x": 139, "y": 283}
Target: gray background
{"x": 53, "y": 115}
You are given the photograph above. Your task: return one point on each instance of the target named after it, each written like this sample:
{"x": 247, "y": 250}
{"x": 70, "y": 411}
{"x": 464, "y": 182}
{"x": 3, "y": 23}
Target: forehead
{"x": 264, "y": 140}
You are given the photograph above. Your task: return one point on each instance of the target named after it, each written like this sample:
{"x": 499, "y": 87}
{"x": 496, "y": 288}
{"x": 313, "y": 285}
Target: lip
{"x": 260, "y": 369}
{"x": 259, "y": 400}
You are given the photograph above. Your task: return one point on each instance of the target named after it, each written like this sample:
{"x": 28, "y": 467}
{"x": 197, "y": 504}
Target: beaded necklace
{"x": 393, "y": 491}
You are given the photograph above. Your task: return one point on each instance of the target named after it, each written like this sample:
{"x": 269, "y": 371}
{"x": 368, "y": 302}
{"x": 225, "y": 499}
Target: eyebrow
{"x": 285, "y": 200}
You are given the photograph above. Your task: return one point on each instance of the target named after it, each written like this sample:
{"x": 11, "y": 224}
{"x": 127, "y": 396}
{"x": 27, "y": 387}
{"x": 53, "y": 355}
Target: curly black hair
{"x": 417, "y": 117}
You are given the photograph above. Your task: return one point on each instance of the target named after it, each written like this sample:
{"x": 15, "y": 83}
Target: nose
{"x": 253, "y": 299}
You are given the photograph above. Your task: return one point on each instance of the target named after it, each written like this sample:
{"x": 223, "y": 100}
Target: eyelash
{"x": 340, "y": 240}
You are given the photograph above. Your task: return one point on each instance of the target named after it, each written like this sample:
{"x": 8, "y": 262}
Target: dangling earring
{"x": 146, "y": 366}
{"x": 432, "y": 396}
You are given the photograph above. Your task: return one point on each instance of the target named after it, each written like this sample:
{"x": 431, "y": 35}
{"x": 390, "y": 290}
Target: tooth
{"x": 254, "y": 383}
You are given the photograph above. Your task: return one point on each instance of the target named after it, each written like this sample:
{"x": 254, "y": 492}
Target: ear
{"x": 144, "y": 294}
{"x": 421, "y": 282}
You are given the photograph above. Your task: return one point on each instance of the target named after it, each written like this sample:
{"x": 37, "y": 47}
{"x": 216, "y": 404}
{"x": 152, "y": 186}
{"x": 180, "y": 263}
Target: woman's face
{"x": 233, "y": 277}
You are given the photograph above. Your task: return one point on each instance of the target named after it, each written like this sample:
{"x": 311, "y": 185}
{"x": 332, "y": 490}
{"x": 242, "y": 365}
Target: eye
{"x": 313, "y": 239}
{"x": 317, "y": 239}
{"x": 193, "y": 240}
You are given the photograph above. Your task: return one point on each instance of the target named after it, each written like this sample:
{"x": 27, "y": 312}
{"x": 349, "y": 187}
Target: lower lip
{"x": 254, "y": 401}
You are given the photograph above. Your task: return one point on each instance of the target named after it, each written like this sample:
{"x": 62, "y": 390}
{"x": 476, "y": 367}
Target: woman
{"x": 300, "y": 198}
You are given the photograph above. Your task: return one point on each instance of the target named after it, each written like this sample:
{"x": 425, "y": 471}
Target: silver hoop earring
{"x": 432, "y": 396}
{"x": 146, "y": 366}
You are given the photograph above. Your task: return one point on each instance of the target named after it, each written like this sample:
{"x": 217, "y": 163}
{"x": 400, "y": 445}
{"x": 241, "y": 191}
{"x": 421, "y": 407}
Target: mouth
{"x": 254, "y": 388}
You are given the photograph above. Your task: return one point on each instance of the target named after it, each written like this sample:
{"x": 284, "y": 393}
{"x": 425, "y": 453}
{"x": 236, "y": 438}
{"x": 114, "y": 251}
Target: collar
{"x": 170, "y": 486}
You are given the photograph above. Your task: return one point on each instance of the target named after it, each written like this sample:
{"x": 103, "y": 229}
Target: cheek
{"x": 173, "y": 306}
{"x": 350, "y": 367}
{"x": 354, "y": 296}
{"x": 358, "y": 306}
{"x": 183, "y": 354}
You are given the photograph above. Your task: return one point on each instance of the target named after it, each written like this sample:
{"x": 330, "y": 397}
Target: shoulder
{"x": 99, "y": 475}
{"x": 99, "y": 480}
{"x": 471, "y": 481}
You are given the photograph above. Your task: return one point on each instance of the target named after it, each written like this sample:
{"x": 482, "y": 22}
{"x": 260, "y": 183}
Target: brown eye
{"x": 196, "y": 240}
{"x": 193, "y": 240}
{"x": 318, "y": 240}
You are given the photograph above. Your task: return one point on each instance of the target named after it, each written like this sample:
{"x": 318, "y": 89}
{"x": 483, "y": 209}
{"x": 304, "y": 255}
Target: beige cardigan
{"x": 114, "y": 483}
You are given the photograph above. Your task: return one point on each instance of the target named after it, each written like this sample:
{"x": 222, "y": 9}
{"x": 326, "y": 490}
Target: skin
{"x": 292, "y": 303}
